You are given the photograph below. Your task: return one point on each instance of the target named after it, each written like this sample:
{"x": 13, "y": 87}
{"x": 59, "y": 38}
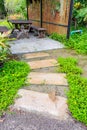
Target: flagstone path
{"x": 49, "y": 102}
{"x": 41, "y": 108}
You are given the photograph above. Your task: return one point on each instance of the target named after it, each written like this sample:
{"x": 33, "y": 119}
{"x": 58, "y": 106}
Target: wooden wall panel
{"x": 49, "y": 15}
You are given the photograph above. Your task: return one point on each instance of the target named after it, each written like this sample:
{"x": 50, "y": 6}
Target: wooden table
{"x": 21, "y": 25}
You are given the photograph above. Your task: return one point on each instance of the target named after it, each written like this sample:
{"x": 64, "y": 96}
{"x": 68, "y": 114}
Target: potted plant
{"x": 4, "y": 48}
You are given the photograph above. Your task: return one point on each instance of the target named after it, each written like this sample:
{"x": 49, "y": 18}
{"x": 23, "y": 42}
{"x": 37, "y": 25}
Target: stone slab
{"x": 33, "y": 44}
{"x": 42, "y": 63}
{"x": 40, "y": 102}
{"x": 47, "y": 78}
{"x": 35, "y": 55}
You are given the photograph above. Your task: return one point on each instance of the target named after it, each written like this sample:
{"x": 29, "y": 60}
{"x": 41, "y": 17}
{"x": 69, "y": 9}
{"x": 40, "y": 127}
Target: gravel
{"x": 36, "y": 121}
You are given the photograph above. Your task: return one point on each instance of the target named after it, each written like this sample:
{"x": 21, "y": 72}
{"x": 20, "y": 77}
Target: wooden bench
{"x": 3, "y": 29}
{"x": 40, "y": 31}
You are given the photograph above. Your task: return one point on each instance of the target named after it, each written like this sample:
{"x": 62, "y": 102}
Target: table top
{"x": 20, "y": 21}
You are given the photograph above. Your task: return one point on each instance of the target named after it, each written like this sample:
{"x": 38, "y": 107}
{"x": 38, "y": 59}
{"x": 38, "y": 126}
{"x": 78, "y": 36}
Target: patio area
{"x": 34, "y": 44}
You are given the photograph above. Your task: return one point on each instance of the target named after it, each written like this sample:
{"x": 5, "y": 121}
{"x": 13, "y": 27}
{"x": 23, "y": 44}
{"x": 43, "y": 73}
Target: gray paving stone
{"x": 34, "y": 45}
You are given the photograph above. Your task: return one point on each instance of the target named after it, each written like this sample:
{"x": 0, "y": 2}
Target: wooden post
{"x": 27, "y": 8}
{"x": 69, "y": 19}
{"x": 40, "y": 13}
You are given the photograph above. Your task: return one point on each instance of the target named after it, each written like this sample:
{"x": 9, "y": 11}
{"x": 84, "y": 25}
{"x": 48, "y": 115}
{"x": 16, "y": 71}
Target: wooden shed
{"x": 54, "y": 15}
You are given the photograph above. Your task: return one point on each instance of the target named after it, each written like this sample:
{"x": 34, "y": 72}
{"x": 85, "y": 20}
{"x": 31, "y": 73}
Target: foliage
{"x": 16, "y": 16}
{"x": 4, "y": 47}
{"x": 16, "y": 6}
{"x": 68, "y": 65}
{"x": 82, "y": 15}
{"x": 80, "y": 11}
{"x": 76, "y": 41}
{"x": 2, "y": 7}
{"x": 21, "y": 8}
{"x": 12, "y": 77}
{"x": 77, "y": 94}
{"x": 5, "y": 23}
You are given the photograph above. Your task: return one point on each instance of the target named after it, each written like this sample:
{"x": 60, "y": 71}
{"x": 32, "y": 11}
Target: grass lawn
{"x": 12, "y": 77}
{"x": 77, "y": 94}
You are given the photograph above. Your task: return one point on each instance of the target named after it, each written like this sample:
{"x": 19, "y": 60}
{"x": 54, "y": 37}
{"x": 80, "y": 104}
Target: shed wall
{"x": 50, "y": 14}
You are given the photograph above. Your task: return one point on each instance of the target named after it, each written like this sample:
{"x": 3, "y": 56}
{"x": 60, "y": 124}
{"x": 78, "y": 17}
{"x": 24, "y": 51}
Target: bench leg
{"x": 41, "y": 34}
{"x": 22, "y": 34}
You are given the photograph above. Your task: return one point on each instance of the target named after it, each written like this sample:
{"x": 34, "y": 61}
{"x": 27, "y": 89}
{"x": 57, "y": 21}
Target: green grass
{"x": 77, "y": 94}
{"x": 77, "y": 42}
{"x": 12, "y": 77}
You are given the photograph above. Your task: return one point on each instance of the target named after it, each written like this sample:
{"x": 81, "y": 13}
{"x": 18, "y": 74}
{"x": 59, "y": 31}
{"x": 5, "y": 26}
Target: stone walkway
{"x": 51, "y": 102}
{"x": 43, "y": 104}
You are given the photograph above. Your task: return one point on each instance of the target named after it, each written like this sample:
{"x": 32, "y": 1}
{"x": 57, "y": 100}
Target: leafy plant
{"x": 16, "y": 7}
{"x": 76, "y": 41}
{"x": 2, "y": 8}
{"x": 12, "y": 77}
{"x": 4, "y": 47}
{"x": 80, "y": 12}
{"x": 5, "y": 23}
{"x": 77, "y": 94}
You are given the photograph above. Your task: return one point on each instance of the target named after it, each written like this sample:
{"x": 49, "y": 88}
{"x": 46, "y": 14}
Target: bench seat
{"x": 41, "y": 31}
{"x": 3, "y": 29}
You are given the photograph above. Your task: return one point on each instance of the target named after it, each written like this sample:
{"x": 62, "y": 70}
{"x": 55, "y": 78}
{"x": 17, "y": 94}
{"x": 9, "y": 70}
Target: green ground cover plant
{"x": 12, "y": 77}
{"x": 77, "y": 94}
{"x": 77, "y": 42}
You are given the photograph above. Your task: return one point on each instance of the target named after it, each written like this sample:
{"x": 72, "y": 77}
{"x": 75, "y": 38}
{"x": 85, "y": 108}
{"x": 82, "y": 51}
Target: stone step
{"x": 42, "y": 63}
{"x": 35, "y": 55}
{"x": 43, "y": 103}
{"x": 60, "y": 90}
{"x": 47, "y": 78}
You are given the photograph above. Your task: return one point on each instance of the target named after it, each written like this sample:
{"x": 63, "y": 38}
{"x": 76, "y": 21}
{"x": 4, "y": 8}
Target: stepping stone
{"x": 42, "y": 63}
{"x": 40, "y": 102}
{"x": 47, "y": 78}
{"x": 35, "y": 55}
